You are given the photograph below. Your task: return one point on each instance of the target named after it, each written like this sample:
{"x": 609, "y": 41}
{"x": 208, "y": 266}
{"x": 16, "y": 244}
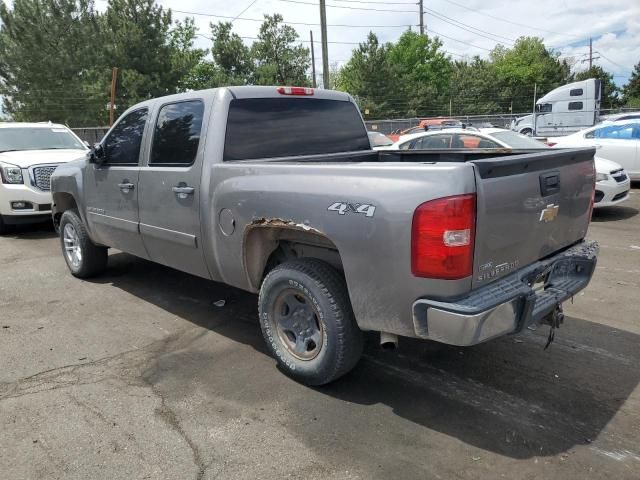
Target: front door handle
{"x": 126, "y": 187}
{"x": 182, "y": 191}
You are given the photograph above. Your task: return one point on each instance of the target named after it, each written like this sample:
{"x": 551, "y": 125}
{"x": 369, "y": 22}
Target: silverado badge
{"x": 550, "y": 213}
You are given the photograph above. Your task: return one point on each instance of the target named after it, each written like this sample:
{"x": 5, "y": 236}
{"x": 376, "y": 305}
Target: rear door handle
{"x": 126, "y": 187}
{"x": 182, "y": 191}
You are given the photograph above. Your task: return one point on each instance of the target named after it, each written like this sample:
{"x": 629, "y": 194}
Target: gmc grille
{"x": 42, "y": 177}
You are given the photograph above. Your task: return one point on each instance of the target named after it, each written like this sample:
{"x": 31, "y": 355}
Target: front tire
{"x": 307, "y": 321}
{"x": 83, "y": 257}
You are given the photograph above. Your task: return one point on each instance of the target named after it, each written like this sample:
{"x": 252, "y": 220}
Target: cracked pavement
{"x": 137, "y": 374}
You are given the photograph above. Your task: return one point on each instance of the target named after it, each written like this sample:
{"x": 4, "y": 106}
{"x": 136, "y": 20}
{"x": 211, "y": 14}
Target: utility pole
{"x": 590, "y": 53}
{"x": 313, "y": 61}
{"x": 112, "y": 103}
{"x": 325, "y": 52}
{"x": 421, "y": 18}
{"x": 535, "y": 93}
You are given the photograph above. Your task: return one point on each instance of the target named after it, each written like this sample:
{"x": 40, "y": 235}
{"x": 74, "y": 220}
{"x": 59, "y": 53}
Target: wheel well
{"x": 268, "y": 244}
{"x": 61, "y": 203}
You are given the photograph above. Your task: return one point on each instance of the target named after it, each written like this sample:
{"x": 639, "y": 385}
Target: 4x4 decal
{"x": 343, "y": 208}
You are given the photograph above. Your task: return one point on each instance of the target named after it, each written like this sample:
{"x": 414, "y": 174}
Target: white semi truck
{"x": 564, "y": 110}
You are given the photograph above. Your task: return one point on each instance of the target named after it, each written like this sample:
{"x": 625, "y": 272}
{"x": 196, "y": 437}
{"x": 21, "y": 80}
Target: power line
{"x": 456, "y": 40}
{"x": 350, "y": 8}
{"x": 318, "y": 41}
{"x": 611, "y": 61}
{"x": 374, "y": 2}
{"x": 469, "y": 28}
{"x": 186, "y": 12}
{"x": 509, "y": 21}
{"x": 247, "y": 8}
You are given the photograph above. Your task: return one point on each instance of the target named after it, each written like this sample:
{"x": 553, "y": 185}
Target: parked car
{"x": 378, "y": 140}
{"x": 336, "y": 238}
{"x": 617, "y": 141}
{"x": 29, "y": 153}
{"x": 616, "y": 117}
{"x": 612, "y": 182}
{"x": 437, "y": 123}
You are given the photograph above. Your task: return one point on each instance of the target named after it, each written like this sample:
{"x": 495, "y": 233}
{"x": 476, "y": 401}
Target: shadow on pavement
{"x": 34, "y": 231}
{"x": 508, "y": 396}
{"x": 608, "y": 214}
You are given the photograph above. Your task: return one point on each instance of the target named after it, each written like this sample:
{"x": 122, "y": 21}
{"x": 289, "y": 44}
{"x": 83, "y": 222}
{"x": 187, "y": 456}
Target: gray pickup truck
{"x": 276, "y": 190}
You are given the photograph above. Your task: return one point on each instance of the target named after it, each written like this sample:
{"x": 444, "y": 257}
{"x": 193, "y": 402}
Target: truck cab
{"x": 564, "y": 110}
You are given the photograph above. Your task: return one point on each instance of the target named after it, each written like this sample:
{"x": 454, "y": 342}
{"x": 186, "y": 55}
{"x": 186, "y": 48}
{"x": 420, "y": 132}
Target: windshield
{"x": 516, "y": 140}
{"x": 38, "y": 138}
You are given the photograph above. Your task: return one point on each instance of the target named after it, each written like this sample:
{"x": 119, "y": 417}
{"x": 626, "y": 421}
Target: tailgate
{"x": 528, "y": 207}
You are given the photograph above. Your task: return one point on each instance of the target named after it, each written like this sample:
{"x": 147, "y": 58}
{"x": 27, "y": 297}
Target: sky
{"x": 466, "y": 27}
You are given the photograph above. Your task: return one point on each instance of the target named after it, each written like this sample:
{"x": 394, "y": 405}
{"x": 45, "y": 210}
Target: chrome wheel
{"x": 298, "y": 324}
{"x": 72, "y": 250}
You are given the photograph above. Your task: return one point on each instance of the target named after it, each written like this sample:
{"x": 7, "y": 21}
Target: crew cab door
{"x": 170, "y": 188}
{"x": 111, "y": 186}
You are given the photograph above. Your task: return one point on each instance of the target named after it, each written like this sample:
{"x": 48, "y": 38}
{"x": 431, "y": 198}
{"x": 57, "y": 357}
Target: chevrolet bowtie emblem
{"x": 550, "y": 213}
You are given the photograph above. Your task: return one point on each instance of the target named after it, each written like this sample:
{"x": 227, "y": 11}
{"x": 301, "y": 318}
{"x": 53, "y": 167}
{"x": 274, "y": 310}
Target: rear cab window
{"x": 283, "y": 127}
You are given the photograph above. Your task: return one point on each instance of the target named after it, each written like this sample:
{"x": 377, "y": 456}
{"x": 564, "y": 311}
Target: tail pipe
{"x": 388, "y": 341}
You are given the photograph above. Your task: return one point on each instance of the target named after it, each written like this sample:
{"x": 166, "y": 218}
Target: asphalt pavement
{"x": 138, "y": 374}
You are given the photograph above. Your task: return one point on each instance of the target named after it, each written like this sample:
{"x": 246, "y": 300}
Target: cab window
{"x": 177, "y": 134}
{"x": 122, "y": 144}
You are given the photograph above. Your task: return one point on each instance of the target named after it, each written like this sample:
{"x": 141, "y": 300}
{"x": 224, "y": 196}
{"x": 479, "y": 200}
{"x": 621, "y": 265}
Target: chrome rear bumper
{"x": 509, "y": 304}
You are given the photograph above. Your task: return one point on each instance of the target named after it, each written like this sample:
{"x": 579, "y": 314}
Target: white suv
{"x": 29, "y": 153}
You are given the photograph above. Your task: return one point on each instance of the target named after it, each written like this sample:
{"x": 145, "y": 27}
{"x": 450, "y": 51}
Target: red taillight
{"x": 295, "y": 91}
{"x": 443, "y": 237}
{"x": 551, "y": 144}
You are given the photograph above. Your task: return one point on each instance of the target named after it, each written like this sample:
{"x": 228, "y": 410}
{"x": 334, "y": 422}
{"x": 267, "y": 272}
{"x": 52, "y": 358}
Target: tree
{"x": 610, "y": 97}
{"x": 231, "y": 55}
{"x": 370, "y": 77}
{"x": 48, "y": 61}
{"x": 518, "y": 69}
{"x": 631, "y": 91}
{"x": 423, "y": 72}
{"x": 139, "y": 40}
{"x": 474, "y": 89}
{"x": 56, "y": 57}
{"x": 279, "y": 60}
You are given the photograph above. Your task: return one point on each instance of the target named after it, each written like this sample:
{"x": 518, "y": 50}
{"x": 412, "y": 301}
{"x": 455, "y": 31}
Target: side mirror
{"x": 97, "y": 154}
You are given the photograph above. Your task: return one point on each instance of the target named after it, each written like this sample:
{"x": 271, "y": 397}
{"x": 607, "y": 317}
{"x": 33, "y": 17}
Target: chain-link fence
{"x": 502, "y": 120}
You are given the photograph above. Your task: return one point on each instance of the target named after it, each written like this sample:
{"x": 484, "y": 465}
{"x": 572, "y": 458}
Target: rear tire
{"x": 83, "y": 257}
{"x": 307, "y": 321}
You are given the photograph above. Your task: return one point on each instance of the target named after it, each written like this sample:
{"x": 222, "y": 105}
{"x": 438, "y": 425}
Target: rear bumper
{"x": 510, "y": 304}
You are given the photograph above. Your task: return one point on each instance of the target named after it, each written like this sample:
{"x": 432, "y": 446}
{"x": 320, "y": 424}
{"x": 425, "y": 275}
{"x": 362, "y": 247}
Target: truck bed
{"x": 486, "y": 159}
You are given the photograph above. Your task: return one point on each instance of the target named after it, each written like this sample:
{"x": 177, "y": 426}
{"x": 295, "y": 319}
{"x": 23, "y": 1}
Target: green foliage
{"x": 370, "y": 77}
{"x": 56, "y": 57}
{"x": 631, "y": 91}
{"x": 231, "y": 55}
{"x": 279, "y": 60}
{"x": 423, "y": 72}
{"x": 44, "y": 57}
